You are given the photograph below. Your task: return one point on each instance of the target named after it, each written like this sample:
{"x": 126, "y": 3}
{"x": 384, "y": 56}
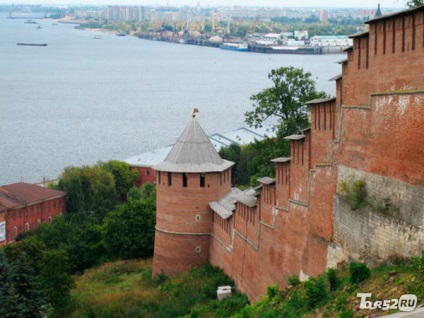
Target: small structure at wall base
{"x": 223, "y": 292}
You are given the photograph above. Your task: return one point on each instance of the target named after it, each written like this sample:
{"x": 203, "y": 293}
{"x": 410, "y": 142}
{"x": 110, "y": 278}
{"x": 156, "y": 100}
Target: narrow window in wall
{"x": 26, "y": 227}
{"x": 15, "y": 232}
{"x": 367, "y": 53}
{"x": 158, "y": 177}
{"x": 384, "y": 37}
{"x": 359, "y": 53}
{"x": 185, "y": 180}
{"x": 325, "y": 116}
{"x": 413, "y": 33}
{"x": 393, "y": 36}
{"x": 319, "y": 117}
{"x": 376, "y": 29}
{"x": 202, "y": 180}
{"x": 147, "y": 172}
{"x": 169, "y": 178}
{"x": 423, "y": 30}
{"x": 403, "y": 34}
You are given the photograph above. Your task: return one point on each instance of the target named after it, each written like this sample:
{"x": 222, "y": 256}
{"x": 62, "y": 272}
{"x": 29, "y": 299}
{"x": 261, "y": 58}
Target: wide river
{"x": 80, "y": 100}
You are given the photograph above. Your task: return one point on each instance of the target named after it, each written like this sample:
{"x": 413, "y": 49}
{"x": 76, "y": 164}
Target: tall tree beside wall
{"x": 415, "y": 3}
{"x": 129, "y": 230}
{"x": 284, "y": 102}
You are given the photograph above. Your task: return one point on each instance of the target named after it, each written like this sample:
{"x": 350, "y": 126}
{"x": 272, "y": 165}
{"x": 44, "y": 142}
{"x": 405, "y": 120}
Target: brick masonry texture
{"x": 371, "y": 131}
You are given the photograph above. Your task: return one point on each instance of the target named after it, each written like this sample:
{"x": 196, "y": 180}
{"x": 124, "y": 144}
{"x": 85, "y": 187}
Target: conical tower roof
{"x": 378, "y": 12}
{"x": 193, "y": 153}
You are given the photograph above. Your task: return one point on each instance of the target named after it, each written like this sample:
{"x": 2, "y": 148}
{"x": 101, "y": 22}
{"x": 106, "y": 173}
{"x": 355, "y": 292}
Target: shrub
{"x": 272, "y": 291}
{"x": 359, "y": 272}
{"x": 316, "y": 291}
{"x": 333, "y": 280}
{"x": 357, "y": 194}
{"x": 293, "y": 280}
{"x": 355, "y": 191}
{"x": 417, "y": 263}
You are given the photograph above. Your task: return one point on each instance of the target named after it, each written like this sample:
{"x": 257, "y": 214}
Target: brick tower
{"x": 192, "y": 175}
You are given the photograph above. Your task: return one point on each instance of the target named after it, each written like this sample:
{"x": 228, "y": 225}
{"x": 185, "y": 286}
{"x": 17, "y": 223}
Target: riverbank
{"x": 202, "y": 39}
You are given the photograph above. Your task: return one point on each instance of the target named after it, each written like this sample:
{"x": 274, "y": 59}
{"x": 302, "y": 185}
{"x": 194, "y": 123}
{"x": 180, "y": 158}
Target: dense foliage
{"x": 415, "y": 3}
{"x": 129, "y": 230}
{"x": 252, "y": 161}
{"x": 96, "y": 189}
{"x": 107, "y": 219}
{"x": 286, "y": 101}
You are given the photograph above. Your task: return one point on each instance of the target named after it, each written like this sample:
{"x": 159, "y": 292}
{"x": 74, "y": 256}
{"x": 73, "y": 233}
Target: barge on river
{"x": 32, "y": 44}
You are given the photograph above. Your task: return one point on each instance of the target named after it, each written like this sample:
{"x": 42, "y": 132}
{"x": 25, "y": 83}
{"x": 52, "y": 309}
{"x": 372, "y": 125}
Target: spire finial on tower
{"x": 378, "y": 12}
{"x": 195, "y": 111}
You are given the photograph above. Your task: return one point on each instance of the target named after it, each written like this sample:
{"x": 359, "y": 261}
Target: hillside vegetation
{"x": 126, "y": 289}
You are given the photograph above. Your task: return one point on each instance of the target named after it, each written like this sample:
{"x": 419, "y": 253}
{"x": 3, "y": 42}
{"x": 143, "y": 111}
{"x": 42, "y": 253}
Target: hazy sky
{"x": 274, "y": 3}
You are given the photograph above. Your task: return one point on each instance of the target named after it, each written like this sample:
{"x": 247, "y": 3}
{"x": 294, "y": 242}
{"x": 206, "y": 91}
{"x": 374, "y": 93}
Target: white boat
{"x": 98, "y": 36}
{"x": 240, "y": 46}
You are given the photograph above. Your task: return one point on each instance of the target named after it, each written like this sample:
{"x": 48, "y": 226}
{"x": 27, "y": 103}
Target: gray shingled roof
{"x": 225, "y": 206}
{"x": 295, "y": 137}
{"x": 280, "y": 159}
{"x": 266, "y": 180}
{"x": 193, "y": 153}
{"x": 320, "y": 100}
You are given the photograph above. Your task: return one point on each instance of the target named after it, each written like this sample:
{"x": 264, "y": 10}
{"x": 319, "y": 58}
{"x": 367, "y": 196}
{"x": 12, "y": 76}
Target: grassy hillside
{"x": 126, "y": 289}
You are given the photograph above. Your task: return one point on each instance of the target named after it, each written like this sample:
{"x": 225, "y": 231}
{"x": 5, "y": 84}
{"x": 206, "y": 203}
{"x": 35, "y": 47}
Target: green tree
{"x": 233, "y": 153}
{"x": 286, "y": 99}
{"x": 89, "y": 188}
{"x": 20, "y": 294}
{"x": 123, "y": 174}
{"x": 32, "y": 247}
{"x": 129, "y": 230}
{"x": 56, "y": 282}
{"x": 79, "y": 236}
{"x": 253, "y": 161}
{"x": 415, "y": 3}
{"x": 261, "y": 153}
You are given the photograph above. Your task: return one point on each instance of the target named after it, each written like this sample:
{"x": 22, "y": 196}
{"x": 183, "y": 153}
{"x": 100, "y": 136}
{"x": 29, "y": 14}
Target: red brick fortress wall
{"x": 371, "y": 131}
{"x": 291, "y": 226}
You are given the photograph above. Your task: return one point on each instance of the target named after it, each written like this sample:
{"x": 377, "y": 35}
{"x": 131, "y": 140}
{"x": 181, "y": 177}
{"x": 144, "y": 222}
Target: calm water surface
{"x": 80, "y": 100}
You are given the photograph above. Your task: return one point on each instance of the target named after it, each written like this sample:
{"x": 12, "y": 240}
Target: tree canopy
{"x": 96, "y": 189}
{"x": 285, "y": 100}
{"x": 415, "y": 3}
{"x": 129, "y": 230}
